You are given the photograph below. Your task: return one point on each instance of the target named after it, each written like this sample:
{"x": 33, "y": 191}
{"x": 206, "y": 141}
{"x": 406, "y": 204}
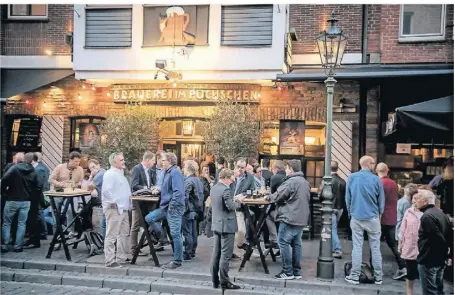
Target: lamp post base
{"x": 325, "y": 270}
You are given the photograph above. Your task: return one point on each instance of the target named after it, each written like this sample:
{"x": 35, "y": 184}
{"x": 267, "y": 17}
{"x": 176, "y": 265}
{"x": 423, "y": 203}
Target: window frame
{"x": 101, "y": 7}
{"x": 423, "y": 37}
{"x": 27, "y": 17}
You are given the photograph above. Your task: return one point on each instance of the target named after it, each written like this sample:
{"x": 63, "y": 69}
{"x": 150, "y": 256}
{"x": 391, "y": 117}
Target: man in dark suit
{"x": 243, "y": 183}
{"x": 36, "y": 233}
{"x": 224, "y": 226}
{"x": 220, "y": 163}
{"x": 142, "y": 177}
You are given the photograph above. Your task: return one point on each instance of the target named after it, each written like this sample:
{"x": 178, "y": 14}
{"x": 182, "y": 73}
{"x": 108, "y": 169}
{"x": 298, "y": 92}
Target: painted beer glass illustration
{"x": 173, "y": 27}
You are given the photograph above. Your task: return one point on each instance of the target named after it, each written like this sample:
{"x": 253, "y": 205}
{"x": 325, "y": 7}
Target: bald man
{"x": 389, "y": 218}
{"x": 365, "y": 205}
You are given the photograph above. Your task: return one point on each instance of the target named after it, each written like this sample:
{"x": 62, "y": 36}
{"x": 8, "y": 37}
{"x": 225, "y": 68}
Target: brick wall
{"x": 393, "y": 51}
{"x": 303, "y": 101}
{"x": 308, "y": 20}
{"x": 35, "y": 37}
{"x": 374, "y": 28}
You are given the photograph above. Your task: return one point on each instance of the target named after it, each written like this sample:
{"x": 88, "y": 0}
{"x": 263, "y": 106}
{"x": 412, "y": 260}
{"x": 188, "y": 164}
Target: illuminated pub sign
{"x": 187, "y": 92}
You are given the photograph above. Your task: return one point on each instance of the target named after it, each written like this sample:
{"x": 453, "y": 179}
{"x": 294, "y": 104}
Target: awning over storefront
{"x": 14, "y": 81}
{"x": 432, "y": 119}
{"x": 358, "y": 72}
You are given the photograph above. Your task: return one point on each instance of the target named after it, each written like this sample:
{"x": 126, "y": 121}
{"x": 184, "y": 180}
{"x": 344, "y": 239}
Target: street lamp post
{"x": 331, "y": 45}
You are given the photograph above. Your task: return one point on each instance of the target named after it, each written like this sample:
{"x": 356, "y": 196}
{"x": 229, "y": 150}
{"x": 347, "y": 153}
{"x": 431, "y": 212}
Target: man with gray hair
{"x": 172, "y": 207}
{"x": 18, "y": 158}
{"x": 116, "y": 194}
{"x": 435, "y": 246}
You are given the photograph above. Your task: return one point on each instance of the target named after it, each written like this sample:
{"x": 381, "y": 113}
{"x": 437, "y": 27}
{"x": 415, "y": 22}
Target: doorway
{"x": 183, "y": 149}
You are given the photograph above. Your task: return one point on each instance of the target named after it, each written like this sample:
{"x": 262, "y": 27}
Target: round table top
{"x": 75, "y": 193}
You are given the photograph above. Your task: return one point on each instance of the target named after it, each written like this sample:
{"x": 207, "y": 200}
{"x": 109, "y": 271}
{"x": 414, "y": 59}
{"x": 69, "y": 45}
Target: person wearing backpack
{"x": 407, "y": 244}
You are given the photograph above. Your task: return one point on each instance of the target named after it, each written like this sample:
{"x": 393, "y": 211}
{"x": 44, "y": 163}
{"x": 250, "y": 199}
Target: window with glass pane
{"x": 28, "y": 10}
{"x": 314, "y": 172}
{"x": 422, "y": 22}
{"x": 15, "y": 132}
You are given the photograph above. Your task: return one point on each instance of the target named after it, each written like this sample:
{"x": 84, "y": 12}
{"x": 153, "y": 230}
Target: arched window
{"x": 84, "y": 131}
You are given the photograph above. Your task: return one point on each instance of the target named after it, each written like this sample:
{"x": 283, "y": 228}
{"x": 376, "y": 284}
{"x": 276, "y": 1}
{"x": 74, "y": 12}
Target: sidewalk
{"x": 253, "y": 270}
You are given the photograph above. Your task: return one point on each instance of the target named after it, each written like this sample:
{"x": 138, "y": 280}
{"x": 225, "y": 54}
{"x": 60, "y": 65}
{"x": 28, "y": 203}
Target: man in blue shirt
{"x": 96, "y": 182}
{"x": 365, "y": 205}
{"x": 172, "y": 207}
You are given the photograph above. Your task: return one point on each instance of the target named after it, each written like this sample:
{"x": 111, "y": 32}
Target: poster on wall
{"x": 88, "y": 133}
{"x": 292, "y": 137}
{"x": 182, "y": 25}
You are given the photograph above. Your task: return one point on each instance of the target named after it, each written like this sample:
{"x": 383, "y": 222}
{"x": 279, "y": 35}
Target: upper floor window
{"x": 27, "y": 11}
{"x": 108, "y": 27}
{"x": 422, "y": 22}
{"x": 247, "y": 25}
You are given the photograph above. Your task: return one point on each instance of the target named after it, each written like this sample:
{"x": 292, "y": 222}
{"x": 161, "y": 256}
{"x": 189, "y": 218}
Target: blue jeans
{"x": 189, "y": 229}
{"x": 103, "y": 225}
{"x": 47, "y": 218}
{"x": 336, "y": 244}
{"x": 290, "y": 243}
{"x": 174, "y": 220}
{"x": 11, "y": 208}
{"x": 431, "y": 279}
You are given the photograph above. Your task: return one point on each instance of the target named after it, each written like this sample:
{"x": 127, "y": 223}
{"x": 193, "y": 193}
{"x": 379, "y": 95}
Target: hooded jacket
{"x": 20, "y": 183}
{"x": 293, "y": 200}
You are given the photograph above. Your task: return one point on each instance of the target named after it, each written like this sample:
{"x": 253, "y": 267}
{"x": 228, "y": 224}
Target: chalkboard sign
{"x": 29, "y": 133}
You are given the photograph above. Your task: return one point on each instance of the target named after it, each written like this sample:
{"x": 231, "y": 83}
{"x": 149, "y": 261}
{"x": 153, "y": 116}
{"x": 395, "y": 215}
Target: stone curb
{"x": 178, "y": 274}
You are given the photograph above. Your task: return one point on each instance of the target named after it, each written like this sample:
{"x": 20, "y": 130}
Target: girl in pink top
{"x": 409, "y": 236}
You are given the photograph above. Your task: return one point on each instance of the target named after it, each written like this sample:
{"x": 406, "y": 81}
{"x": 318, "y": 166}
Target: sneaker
{"x": 18, "y": 250}
{"x": 125, "y": 261}
{"x": 187, "y": 257}
{"x": 171, "y": 265}
{"x": 283, "y": 276}
{"x": 351, "y": 281}
{"x": 4, "y": 249}
{"x": 400, "y": 274}
{"x": 297, "y": 277}
{"x": 337, "y": 255}
{"x": 378, "y": 282}
{"x": 114, "y": 265}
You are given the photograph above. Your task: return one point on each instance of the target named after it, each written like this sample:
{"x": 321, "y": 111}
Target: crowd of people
{"x": 418, "y": 227}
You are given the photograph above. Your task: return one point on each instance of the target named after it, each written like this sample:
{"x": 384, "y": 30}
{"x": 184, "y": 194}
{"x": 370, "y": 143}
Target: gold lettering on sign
{"x": 187, "y": 92}
{"x": 124, "y": 94}
{"x": 245, "y": 95}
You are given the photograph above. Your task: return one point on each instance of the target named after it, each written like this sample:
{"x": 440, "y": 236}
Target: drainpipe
{"x": 364, "y": 33}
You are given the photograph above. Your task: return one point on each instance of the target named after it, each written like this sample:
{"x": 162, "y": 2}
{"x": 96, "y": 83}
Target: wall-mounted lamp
{"x": 48, "y": 52}
{"x": 79, "y": 96}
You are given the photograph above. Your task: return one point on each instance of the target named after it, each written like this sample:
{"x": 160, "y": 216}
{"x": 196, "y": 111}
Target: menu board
{"x": 29, "y": 133}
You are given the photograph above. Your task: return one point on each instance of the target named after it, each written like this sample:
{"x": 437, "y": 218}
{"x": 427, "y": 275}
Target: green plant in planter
{"x": 232, "y": 130}
{"x": 131, "y": 131}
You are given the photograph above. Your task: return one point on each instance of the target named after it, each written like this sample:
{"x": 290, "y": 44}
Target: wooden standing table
{"x": 138, "y": 202}
{"x": 255, "y": 229}
{"x": 59, "y": 234}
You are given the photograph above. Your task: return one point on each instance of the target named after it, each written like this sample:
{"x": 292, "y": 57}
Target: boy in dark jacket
{"x": 20, "y": 184}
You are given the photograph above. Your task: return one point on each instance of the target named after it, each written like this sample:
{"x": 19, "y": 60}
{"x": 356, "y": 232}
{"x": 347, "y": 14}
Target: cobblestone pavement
{"x": 253, "y": 269}
{"x": 18, "y": 288}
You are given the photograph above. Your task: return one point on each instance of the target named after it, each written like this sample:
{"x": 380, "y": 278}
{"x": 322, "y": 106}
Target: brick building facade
{"x": 303, "y": 100}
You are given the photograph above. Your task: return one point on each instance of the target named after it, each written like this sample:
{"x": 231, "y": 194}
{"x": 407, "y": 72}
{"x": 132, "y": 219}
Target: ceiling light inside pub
{"x": 48, "y": 52}
{"x": 79, "y": 96}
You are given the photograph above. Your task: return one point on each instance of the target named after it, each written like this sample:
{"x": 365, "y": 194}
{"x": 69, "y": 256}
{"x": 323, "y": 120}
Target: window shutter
{"x": 245, "y": 25}
{"x": 108, "y": 27}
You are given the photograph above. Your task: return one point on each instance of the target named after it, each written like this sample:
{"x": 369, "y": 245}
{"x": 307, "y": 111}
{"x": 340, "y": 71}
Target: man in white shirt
{"x": 116, "y": 194}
